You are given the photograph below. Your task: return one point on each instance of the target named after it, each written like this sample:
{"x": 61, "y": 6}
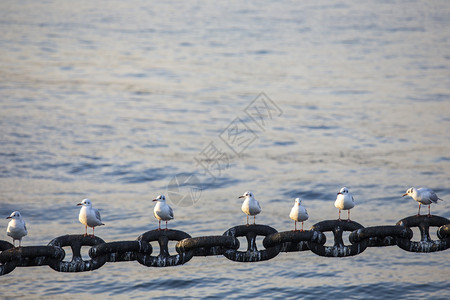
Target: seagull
{"x": 162, "y": 210}
{"x": 89, "y": 216}
{"x": 344, "y": 201}
{"x": 298, "y": 213}
{"x": 423, "y": 196}
{"x": 250, "y": 206}
{"x": 16, "y": 227}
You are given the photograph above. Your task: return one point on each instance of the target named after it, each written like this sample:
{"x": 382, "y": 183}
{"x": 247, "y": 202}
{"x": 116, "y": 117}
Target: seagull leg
{"x": 254, "y": 220}
{"x": 159, "y": 225}
{"x": 85, "y": 230}
{"x": 348, "y": 215}
{"x": 93, "y": 235}
{"x": 418, "y": 213}
{"x": 295, "y": 225}
{"x": 429, "y": 214}
{"x": 339, "y": 215}
{"x": 302, "y": 225}
{"x": 247, "y": 220}
{"x": 166, "y": 226}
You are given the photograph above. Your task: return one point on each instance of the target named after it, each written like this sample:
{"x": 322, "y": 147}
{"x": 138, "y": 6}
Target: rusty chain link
{"x": 227, "y": 245}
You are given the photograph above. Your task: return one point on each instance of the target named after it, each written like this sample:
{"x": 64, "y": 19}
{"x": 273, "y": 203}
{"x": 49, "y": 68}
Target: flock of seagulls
{"x": 90, "y": 216}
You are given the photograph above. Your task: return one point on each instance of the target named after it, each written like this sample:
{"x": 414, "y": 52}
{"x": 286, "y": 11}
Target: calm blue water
{"x": 115, "y": 100}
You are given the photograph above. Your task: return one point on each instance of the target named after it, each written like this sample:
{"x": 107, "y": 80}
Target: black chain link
{"x": 252, "y": 254}
{"x": 426, "y": 244}
{"x": 227, "y": 245}
{"x": 338, "y": 249}
{"x": 164, "y": 259}
{"x": 77, "y": 264}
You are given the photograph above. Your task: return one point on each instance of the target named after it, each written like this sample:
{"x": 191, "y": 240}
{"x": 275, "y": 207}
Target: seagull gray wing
{"x": 97, "y": 214}
{"x": 434, "y": 197}
{"x": 170, "y": 212}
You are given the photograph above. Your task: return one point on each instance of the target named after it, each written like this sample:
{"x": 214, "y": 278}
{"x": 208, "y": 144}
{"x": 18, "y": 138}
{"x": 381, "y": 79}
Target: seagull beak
{"x": 339, "y": 193}
{"x": 79, "y": 204}
{"x": 9, "y": 217}
{"x": 405, "y": 195}
{"x": 241, "y": 196}
{"x": 155, "y": 200}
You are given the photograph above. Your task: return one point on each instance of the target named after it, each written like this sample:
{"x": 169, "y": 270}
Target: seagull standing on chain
{"x": 250, "y": 206}
{"x": 16, "y": 227}
{"x": 162, "y": 210}
{"x": 89, "y": 216}
{"x": 423, "y": 196}
{"x": 344, "y": 201}
{"x": 298, "y": 213}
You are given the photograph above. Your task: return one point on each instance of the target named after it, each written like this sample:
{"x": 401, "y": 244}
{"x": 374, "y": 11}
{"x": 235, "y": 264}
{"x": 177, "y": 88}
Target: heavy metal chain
{"x": 227, "y": 245}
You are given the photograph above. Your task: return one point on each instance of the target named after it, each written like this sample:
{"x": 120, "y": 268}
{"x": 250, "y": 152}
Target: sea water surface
{"x": 114, "y": 100}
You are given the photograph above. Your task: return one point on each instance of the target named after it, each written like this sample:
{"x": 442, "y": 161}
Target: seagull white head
{"x": 298, "y": 201}
{"x": 85, "y": 202}
{"x": 410, "y": 192}
{"x": 343, "y": 191}
{"x": 247, "y": 194}
{"x": 160, "y": 198}
{"x": 15, "y": 215}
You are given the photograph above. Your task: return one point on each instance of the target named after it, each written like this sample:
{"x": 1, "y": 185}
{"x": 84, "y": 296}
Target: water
{"x": 111, "y": 100}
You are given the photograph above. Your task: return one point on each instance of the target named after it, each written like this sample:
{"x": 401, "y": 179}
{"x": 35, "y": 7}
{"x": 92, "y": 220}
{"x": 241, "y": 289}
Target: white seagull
{"x": 16, "y": 227}
{"x": 162, "y": 210}
{"x": 423, "y": 196}
{"x": 298, "y": 213}
{"x": 89, "y": 216}
{"x": 250, "y": 206}
{"x": 344, "y": 201}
